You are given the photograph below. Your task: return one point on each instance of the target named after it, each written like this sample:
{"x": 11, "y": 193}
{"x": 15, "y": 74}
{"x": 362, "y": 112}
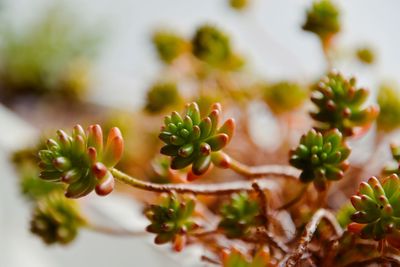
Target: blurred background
{"x": 74, "y": 61}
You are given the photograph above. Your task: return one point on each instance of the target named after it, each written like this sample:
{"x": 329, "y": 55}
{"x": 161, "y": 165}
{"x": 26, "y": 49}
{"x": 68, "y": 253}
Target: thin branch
{"x": 262, "y": 171}
{"x": 295, "y": 199}
{"x": 292, "y": 259}
{"x": 198, "y": 189}
{"x": 263, "y": 201}
{"x": 114, "y": 231}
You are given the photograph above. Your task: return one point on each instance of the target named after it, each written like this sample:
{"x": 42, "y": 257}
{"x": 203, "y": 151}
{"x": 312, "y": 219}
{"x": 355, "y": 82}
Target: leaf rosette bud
{"x": 377, "y": 207}
{"x": 172, "y": 220}
{"x": 82, "y": 161}
{"x": 321, "y": 157}
{"x": 340, "y": 105}
{"x": 192, "y": 140}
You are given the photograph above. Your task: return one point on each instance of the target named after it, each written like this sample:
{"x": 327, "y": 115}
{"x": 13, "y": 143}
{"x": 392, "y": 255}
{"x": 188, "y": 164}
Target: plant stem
{"x": 295, "y": 199}
{"x": 261, "y": 171}
{"x": 199, "y": 189}
{"x": 113, "y": 231}
{"x": 292, "y": 259}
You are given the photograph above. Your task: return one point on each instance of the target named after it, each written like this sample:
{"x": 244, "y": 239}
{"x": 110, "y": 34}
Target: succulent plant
{"x": 378, "y": 210}
{"x": 162, "y": 95}
{"x": 172, "y": 220}
{"x": 169, "y": 45}
{"x": 389, "y": 108}
{"x": 322, "y": 19}
{"x": 239, "y": 215}
{"x": 365, "y": 55}
{"x": 192, "y": 140}
{"x": 211, "y": 45}
{"x": 239, "y": 4}
{"x": 321, "y": 157}
{"x": 340, "y": 105}
{"x": 56, "y": 219}
{"x": 81, "y": 161}
{"x": 284, "y": 96}
{"x": 235, "y": 258}
{"x": 393, "y": 168}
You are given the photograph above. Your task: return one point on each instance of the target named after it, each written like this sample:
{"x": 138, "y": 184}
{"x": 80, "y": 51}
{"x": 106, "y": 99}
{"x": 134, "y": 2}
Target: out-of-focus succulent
{"x": 340, "y": 105}
{"x": 239, "y": 4}
{"x": 235, "y": 258}
{"x": 284, "y": 96}
{"x": 192, "y": 140}
{"x": 393, "y": 168}
{"x": 169, "y": 45}
{"x": 162, "y": 95}
{"x": 365, "y": 55}
{"x": 172, "y": 220}
{"x": 239, "y": 215}
{"x": 389, "y": 108}
{"x": 82, "y": 161}
{"x": 344, "y": 213}
{"x": 322, "y": 19}
{"x": 378, "y": 210}
{"x": 321, "y": 157}
{"x": 212, "y": 46}
{"x": 56, "y": 219}
{"x": 49, "y": 57}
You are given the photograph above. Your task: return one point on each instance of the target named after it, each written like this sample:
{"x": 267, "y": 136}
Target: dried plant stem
{"x": 292, "y": 259}
{"x": 388, "y": 258}
{"x": 295, "y": 199}
{"x": 201, "y": 189}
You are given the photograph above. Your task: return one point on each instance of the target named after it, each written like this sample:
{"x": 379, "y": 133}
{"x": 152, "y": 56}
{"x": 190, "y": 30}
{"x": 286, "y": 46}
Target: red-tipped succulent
{"x": 82, "y": 161}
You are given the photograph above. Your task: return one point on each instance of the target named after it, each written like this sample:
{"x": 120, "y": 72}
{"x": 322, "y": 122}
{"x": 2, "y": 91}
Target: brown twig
{"x": 292, "y": 259}
{"x": 114, "y": 231}
{"x": 200, "y": 189}
{"x": 295, "y": 199}
{"x": 391, "y": 258}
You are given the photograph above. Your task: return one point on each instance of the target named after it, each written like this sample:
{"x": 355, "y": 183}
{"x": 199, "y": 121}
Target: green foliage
{"x": 81, "y": 161}
{"x": 365, "y": 55}
{"x": 340, "y": 105}
{"x": 56, "y": 219}
{"x": 239, "y": 215}
{"x": 169, "y": 45}
{"x": 51, "y": 56}
{"x": 162, "y": 95}
{"x": 321, "y": 157}
{"x": 192, "y": 140}
{"x": 284, "y": 96}
{"x": 171, "y": 220}
{"x": 322, "y": 19}
{"x": 213, "y": 46}
{"x": 378, "y": 209}
{"x": 235, "y": 258}
{"x": 389, "y": 108}
{"x": 239, "y": 4}
{"x": 344, "y": 213}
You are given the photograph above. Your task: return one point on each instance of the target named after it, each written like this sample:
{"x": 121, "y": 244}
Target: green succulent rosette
{"x": 191, "y": 140}
{"x": 169, "y": 45}
{"x": 322, "y": 19}
{"x": 284, "y": 96}
{"x": 56, "y": 219}
{"x": 389, "y": 108}
{"x": 365, "y": 55}
{"x": 393, "y": 168}
{"x": 321, "y": 157}
{"x": 213, "y": 47}
{"x": 161, "y": 96}
{"x": 81, "y": 160}
{"x": 172, "y": 220}
{"x": 340, "y": 105}
{"x": 239, "y": 215}
{"x": 377, "y": 207}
